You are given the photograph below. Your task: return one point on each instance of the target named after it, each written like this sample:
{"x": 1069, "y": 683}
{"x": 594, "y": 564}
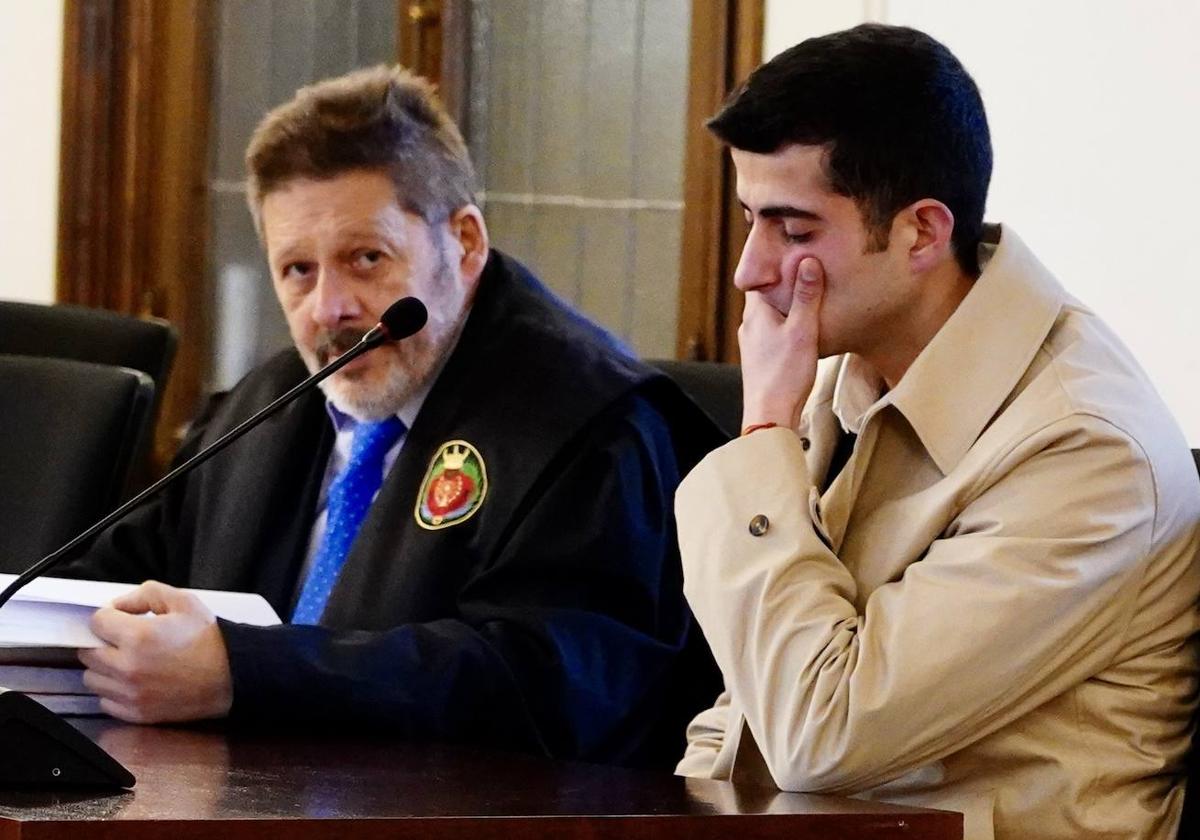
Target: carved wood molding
{"x": 726, "y": 44}
{"x": 90, "y": 120}
{"x": 433, "y": 39}
{"x": 419, "y": 36}
{"x": 132, "y": 192}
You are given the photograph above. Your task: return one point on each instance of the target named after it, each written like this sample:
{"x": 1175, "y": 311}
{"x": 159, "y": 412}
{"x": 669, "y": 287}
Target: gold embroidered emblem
{"x": 454, "y": 487}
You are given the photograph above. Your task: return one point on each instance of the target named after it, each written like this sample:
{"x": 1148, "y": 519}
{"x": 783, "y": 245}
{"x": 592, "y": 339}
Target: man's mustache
{"x": 330, "y": 345}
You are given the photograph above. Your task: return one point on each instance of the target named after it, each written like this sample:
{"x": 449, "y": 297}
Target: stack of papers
{"x": 47, "y": 621}
{"x": 59, "y": 688}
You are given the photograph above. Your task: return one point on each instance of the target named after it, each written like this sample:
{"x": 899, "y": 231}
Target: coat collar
{"x": 965, "y": 374}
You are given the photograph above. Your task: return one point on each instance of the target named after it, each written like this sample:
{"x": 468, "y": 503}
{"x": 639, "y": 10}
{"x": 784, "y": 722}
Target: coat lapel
{"x": 268, "y": 488}
{"x": 491, "y": 394}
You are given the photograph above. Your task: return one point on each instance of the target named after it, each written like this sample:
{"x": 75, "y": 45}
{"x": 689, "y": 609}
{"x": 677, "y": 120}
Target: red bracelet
{"x": 756, "y": 427}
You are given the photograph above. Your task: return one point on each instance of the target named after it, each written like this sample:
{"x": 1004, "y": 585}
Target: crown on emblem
{"x": 453, "y": 457}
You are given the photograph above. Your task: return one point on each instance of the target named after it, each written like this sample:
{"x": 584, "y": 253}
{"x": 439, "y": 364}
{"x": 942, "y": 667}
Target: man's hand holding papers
{"x": 171, "y": 667}
{"x": 145, "y": 646}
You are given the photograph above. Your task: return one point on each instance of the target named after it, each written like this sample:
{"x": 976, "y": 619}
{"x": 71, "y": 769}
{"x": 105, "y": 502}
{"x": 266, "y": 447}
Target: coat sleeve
{"x": 563, "y": 644}
{"x": 705, "y": 737}
{"x": 840, "y": 698}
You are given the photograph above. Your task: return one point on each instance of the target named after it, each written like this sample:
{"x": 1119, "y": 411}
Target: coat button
{"x": 759, "y": 525}
{"x": 805, "y": 443}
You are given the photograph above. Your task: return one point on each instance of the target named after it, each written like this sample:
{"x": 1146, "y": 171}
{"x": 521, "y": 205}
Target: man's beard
{"x": 410, "y": 362}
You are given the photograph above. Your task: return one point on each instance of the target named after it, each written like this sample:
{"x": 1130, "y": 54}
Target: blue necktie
{"x": 350, "y": 496}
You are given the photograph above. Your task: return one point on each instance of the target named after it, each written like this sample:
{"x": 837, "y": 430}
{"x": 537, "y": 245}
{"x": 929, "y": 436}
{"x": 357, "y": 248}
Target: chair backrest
{"x": 63, "y": 331}
{"x": 715, "y": 387}
{"x": 68, "y": 435}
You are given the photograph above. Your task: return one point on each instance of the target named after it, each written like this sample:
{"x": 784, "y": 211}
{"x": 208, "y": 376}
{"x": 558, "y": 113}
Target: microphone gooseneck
{"x": 402, "y": 319}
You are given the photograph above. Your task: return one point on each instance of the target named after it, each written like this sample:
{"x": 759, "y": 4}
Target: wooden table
{"x": 205, "y": 783}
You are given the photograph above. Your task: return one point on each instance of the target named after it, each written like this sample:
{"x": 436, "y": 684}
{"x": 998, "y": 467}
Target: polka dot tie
{"x": 350, "y": 495}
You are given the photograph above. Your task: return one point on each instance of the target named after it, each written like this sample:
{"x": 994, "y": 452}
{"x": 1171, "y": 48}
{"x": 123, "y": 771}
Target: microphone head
{"x": 403, "y": 318}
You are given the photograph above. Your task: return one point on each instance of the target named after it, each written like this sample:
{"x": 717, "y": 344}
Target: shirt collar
{"x": 962, "y": 377}
{"x": 855, "y": 390}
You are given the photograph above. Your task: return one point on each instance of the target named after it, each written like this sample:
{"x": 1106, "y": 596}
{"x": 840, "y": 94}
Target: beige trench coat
{"x": 992, "y": 607}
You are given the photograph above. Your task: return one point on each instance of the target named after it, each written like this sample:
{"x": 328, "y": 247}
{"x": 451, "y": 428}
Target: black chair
{"x": 63, "y": 331}
{"x": 714, "y": 386}
{"x": 68, "y": 435}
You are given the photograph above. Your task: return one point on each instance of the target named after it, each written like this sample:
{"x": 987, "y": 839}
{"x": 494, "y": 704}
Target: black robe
{"x": 552, "y": 620}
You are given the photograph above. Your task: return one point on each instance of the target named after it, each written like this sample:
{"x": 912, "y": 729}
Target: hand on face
{"x": 169, "y": 666}
{"x": 779, "y": 352}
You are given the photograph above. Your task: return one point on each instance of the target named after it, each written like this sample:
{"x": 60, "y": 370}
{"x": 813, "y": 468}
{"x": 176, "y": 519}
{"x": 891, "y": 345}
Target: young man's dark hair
{"x": 902, "y": 118}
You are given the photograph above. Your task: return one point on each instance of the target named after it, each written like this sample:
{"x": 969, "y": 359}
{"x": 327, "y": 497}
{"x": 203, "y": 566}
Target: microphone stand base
{"x": 38, "y": 749}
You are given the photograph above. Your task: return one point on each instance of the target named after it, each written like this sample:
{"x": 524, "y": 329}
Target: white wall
{"x": 787, "y": 22}
{"x": 1095, "y": 117}
{"x": 30, "y": 94}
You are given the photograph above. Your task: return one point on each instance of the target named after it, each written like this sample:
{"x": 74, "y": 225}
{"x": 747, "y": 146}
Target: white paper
{"x": 54, "y": 612}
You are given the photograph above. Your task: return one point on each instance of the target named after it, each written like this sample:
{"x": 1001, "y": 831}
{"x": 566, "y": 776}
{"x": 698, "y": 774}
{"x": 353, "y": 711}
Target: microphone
{"x": 38, "y": 747}
{"x": 403, "y": 318}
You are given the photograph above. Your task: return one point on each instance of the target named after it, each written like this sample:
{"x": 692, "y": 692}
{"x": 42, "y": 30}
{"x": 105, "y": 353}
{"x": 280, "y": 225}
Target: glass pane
{"x": 580, "y": 107}
{"x": 265, "y": 50}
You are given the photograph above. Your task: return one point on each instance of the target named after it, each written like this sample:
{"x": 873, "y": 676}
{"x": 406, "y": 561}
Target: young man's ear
{"x": 930, "y": 226}
{"x": 470, "y": 233}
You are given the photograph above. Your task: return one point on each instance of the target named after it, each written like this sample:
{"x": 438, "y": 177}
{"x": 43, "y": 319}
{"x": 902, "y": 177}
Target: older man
{"x": 470, "y": 533}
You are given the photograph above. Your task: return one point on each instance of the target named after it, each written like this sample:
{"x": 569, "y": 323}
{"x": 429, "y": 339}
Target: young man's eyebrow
{"x": 785, "y": 211}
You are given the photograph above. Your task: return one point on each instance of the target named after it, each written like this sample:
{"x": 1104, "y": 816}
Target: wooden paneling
{"x": 420, "y": 36}
{"x": 90, "y": 121}
{"x": 726, "y": 45}
{"x": 455, "y": 70}
{"x": 132, "y": 194}
{"x": 433, "y": 38}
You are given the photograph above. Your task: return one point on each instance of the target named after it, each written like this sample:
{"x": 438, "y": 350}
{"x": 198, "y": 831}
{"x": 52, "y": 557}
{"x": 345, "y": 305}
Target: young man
{"x": 955, "y": 564}
{"x": 470, "y": 533}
